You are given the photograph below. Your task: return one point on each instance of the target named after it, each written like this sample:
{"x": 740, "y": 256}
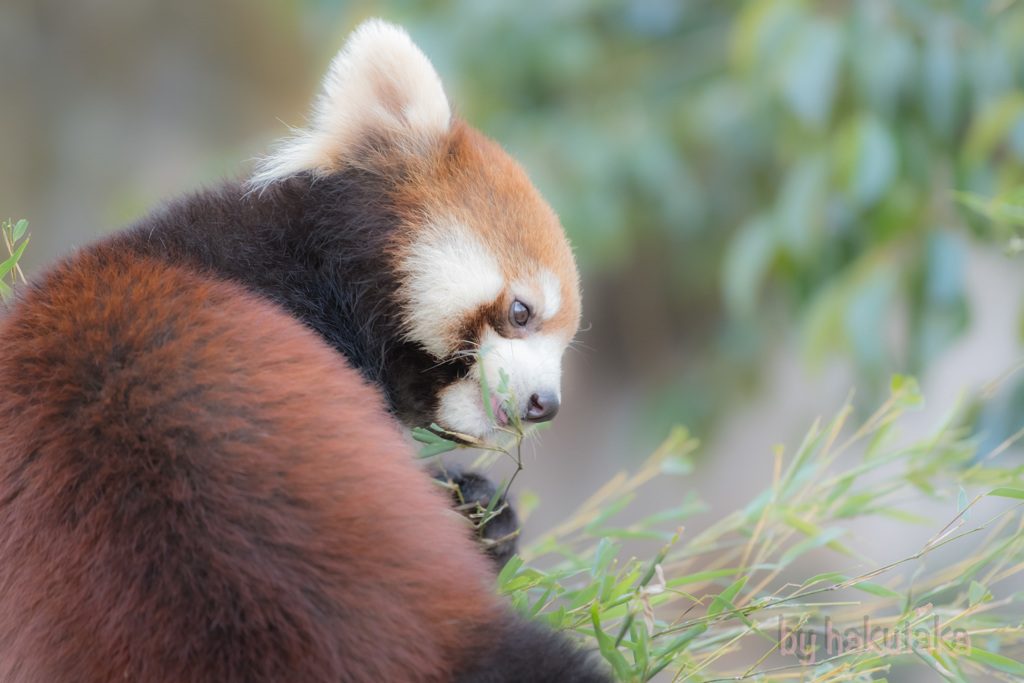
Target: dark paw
{"x": 472, "y": 493}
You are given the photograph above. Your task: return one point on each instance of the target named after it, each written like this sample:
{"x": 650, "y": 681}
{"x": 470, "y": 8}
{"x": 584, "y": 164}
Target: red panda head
{"x": 484, "y": 276}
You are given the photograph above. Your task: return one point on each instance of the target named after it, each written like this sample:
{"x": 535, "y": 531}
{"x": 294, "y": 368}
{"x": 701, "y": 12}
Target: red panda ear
{"x": 379, "y": 86}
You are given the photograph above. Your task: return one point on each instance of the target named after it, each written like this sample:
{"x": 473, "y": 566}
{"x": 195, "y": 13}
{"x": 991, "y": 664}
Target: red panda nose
{"x": 543, "y": 407}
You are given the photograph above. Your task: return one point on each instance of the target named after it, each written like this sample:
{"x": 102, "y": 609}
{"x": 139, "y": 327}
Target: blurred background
{"x": 763, "y": 195}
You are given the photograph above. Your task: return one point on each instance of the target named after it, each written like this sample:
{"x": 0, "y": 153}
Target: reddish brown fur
{"x": 191, "y": 492}
{"x": 470, "y": 177}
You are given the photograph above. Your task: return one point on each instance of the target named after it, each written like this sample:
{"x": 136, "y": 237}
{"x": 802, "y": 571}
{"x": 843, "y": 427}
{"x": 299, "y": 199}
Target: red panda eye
{"x": 519, "y": 315}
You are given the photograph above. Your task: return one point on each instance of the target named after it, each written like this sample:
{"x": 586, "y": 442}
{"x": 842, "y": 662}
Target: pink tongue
{"x": 499, "y": 412}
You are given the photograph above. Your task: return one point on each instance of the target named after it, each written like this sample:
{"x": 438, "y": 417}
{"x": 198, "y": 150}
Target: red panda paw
{"x": 472, "y": 493}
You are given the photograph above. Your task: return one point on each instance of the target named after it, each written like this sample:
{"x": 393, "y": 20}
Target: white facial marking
{"x": 552, "y": 290}
{"x": 461, "y": 409}
{"x": 449, "y": 274}
{"x": 379, "y": 82}
{"x": 533, "y": 365}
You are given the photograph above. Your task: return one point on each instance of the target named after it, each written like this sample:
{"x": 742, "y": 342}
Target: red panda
{"x": 202, "y": 475}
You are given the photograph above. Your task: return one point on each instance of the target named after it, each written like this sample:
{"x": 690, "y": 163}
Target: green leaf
{"x": 485, "y": 390}
{"x": 976, "y": 593}
{"x": 961, "y": 504}
{"x": 951, "y": 665}
{"x": 996, "y": 209}
{"x": 831, "y": 577}
{"x": 18, "y": 231}
{"x": 431, "y": 450}
{"x": 682, "y": 641}
{"x": 996, "y": 661}
{"x": 877, "y": 161}
{"x": 675, "y": 514}
{"x": 618, "y": 532}
{"x": 608, "y": 650}
{"x": 435, "y": 443}
{"x": 426, "y": 436}
{"x": 539, "y": 604}
{"x": 725, "y": 599}
{"x": 797, "y": 218}
{"x": 869, "y": 302}
{"x": 7, "y": 265}
{"x": 606, "y": 551}
{"x": 939, "y": 668}
{"x": 761, "y": 30}
{"x": 884, "y": 71}
{"x": 493, "y": 502}
{"x": 909, "y": 394}
{"x": 876, "y": 589}
{"x": 810, "y": 74}
{"x": 1018, "y": 494}
{"x": 807, "y": 544}
{"x": 642, "y": 647}
{"x": 700, "y": 577}
{"x": 822, "y": 329}
{"x": 941, "y": 75}
{"x": 802, "y": 465}
{"x": 905, "y": 516}
{"x": 525, "y": 580}
{"x": 731, "y": 592}
{"x": 747, "y": 261}
{"x": 992, "y": 126}
{"x": 559, "y": 618}
{"x": 509, "y": 571}
{"x": 609, "y": 512}
{"x": 584, "y": 596}
{"x": 677, "y": 464}
{"x": 801, "y": 525}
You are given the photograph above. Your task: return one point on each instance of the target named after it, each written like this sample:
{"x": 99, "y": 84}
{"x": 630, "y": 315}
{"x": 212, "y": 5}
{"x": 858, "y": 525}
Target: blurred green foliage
{"x": 721, "y": 605}
{"x": 732, "y": 171}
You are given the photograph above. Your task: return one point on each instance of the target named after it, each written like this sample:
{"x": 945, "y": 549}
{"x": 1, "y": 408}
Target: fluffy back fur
{"x": 201, "y": 476}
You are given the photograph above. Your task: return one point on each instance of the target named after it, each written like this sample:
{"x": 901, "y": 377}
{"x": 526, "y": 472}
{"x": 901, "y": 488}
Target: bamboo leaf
{"x": 18, "y": 231}
{"x": 996, "y": 661}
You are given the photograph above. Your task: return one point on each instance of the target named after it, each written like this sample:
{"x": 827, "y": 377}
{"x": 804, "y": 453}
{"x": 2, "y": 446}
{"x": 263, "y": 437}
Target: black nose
{"x": 543, "y": 407}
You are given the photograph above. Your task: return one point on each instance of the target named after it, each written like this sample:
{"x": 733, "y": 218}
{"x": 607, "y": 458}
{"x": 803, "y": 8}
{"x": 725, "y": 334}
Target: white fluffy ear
{"x": 381, "y": 84}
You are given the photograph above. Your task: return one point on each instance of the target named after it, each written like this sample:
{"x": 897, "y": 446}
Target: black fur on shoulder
{"x": 472, "y": 492}
{"x": 318, "y": 247}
